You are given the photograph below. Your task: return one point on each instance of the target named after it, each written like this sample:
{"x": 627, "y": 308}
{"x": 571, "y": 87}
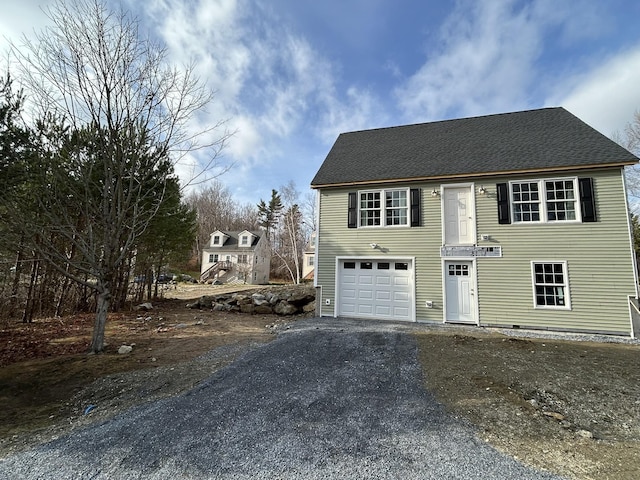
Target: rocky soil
{"x": 570, "y": 407}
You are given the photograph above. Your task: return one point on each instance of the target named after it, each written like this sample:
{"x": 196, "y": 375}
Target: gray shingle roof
{"x": 534, "y": 140}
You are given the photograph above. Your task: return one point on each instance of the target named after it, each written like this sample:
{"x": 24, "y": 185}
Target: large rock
{"x": 285, "y": 308}
{"x": 309, "y": 307}
{"x": 283, "y": 300}
{"x": 300, "y": 297}
{"x": 264, "y": 309}
{"x": 247, "y": 308}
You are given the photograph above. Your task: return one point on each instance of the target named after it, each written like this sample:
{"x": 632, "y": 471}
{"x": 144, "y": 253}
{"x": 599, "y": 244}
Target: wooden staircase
{"x": 213, "y": 270}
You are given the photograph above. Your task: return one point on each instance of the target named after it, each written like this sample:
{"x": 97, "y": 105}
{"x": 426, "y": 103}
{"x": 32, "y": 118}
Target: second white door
{"x": 459, "y": 291}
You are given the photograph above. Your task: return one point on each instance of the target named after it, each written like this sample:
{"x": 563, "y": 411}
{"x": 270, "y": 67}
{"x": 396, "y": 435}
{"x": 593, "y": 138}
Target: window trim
{"x": 542, "y": 195}
{"x": 383, "y": 207}
{"x": 567, "y": 293}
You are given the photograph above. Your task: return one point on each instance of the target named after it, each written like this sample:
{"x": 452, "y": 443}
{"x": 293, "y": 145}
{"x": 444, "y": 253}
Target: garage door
{"x": 376, "y": 289}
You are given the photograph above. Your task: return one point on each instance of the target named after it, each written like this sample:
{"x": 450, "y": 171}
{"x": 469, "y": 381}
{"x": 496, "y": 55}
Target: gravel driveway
{"x": 324, "y": 400}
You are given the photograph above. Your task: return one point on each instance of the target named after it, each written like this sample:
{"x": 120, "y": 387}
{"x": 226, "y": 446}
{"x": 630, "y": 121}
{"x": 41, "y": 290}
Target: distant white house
{"x": 309, "y": 258}
{"x": 236, "y": 257}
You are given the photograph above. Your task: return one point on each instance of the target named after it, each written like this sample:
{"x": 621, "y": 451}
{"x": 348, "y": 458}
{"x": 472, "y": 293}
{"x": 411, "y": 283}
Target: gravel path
{"x": 316, "y": 403}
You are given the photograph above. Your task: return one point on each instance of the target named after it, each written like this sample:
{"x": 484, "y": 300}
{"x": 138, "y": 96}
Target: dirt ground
{"x": 569, "y": 407}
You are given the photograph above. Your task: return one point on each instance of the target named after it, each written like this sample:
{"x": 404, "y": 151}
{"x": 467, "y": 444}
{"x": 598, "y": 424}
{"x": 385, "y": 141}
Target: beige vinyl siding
{"x": 598, "y": 257}
{"x": 422, "y": 243}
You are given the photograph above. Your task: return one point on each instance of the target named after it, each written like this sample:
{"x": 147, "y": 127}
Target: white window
{"x": 550, "y": 285}
{"x": 553, "y": 200}
{"x": 244, "y": 240}
{"x": 216, "y": 240}
{"x": 384, "y": 208}
{"x": 310, "y": 261}
{"x": 213, "y": 258}
{"x": 242, "y": 258}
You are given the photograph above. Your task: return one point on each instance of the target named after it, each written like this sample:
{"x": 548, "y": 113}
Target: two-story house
{"x": 510, "y": 220}
{"x": 236, "y": 257}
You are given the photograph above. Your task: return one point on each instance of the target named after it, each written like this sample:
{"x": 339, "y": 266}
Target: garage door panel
{"x": 400, "y": 281}
{"x": 383, "y": 295}
{"x": 401, "y": 312}
{"x": 365, "y": 294}
{"x": 365, "y": 309}
{"x": 348, "y": 279}
{"x": 401, "y": 296}
{"x": 365, "y": 280}
{"x": 376, "y": 289}
{"x": 349, "y": 294}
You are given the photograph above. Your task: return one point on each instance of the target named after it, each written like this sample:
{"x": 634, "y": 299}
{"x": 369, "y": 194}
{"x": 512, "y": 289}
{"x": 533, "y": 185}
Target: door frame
{"x": 472, "y": 207}
{"x": 358, "y": 258}
{"x": 474, "y": 284}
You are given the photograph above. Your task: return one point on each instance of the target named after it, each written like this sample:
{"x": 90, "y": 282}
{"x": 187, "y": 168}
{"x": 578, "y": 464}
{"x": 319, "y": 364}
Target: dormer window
{"x": 244, "y": 241}
{"x": 216, "y": 240}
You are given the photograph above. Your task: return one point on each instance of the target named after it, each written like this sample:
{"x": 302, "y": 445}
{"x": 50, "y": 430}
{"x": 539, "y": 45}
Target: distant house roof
{"x": 233, "y": 242}
{"x": 529, "y": 141}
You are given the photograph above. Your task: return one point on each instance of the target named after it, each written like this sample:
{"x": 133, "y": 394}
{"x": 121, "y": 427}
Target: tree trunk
{"x": 13, "y": 301}
{"x": 102, "y": 309}
{"x": 27, "y": 315}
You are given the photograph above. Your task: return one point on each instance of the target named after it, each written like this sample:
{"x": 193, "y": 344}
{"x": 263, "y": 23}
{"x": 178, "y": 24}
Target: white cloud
{"x": 607, "y": 96}
{"x": 487, "y": 59}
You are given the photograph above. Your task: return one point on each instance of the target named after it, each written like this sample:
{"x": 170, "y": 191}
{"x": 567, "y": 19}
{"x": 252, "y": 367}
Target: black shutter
{"x": 587, "y": 200}
{"x": 504, "y": 215}
{"x": 352, "y": 216}
{"x": 415, "y": 207}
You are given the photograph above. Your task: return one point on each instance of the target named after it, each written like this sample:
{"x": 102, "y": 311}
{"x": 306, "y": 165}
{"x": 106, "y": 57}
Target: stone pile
{"x": 287, "y": 300}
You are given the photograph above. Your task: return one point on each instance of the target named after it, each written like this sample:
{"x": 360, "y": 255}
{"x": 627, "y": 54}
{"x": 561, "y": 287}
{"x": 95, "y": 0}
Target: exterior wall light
{"x": 482, "y": 190}
{"x": 435, "y": 193}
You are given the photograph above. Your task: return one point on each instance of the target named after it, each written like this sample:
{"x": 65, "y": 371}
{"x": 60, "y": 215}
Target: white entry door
{"x": 459, "y": 291}
{"x": 458, "y": 216}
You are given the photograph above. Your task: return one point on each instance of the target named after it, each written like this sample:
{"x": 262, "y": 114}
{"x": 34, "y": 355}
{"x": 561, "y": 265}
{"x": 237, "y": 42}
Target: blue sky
{"x": 290, "y": 75}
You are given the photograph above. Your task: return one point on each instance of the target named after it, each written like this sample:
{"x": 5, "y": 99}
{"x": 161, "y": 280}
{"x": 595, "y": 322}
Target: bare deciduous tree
{"x": 630, "y": 140}
{"x": 216, "y": 210}
{"x": 121, "y": 117}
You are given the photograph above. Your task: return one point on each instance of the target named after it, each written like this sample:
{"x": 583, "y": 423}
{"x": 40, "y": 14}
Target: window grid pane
{"x": 394, "y": 210}
{"x": 561, "y": 204}
{"x": 526, "y": 202}
{"x": 549, "y": 285}
{"x": 369, "y": 209}
{"x": 396, "y": 207}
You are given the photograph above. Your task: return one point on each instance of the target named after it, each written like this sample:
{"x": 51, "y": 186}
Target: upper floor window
{"x": 216, "y": 240}
{"x": 553, "y": 200}
{"x": 244, "y": 240}
{"x": 310, "y": 260}
{"x": 242, "y": 258}
{"x": 384, "y": 208}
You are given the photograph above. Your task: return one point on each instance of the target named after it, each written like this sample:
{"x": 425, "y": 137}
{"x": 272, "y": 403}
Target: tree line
{"x": 88, "y": 150}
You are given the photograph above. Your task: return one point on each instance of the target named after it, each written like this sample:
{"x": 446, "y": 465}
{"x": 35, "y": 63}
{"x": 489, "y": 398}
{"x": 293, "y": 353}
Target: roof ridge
{"x": 457, "y": 119}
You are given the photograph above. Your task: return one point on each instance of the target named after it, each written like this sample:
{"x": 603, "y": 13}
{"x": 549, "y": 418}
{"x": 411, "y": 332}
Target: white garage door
{"x": 375, "y": 289}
